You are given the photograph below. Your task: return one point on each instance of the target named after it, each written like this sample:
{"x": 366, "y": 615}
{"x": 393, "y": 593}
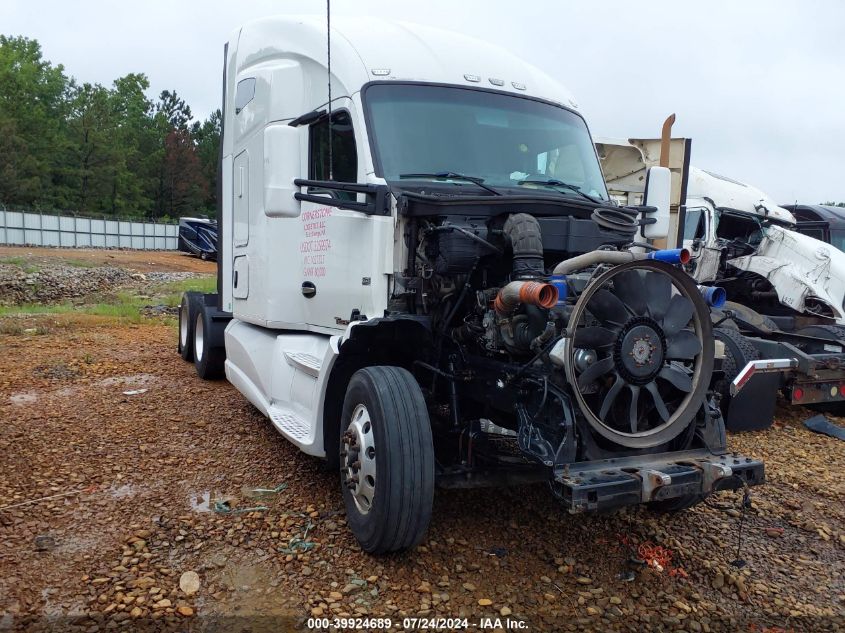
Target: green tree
{"x": 99, "y": 149}
{"x": 93, "y": 159}
{"x": 33, "y": 99}
{"x": 207, "y": 138}
{"x": 136, "y": 137}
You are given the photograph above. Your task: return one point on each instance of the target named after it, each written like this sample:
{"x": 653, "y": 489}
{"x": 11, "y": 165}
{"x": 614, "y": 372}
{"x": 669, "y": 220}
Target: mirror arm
{"x": 377, "y": 195}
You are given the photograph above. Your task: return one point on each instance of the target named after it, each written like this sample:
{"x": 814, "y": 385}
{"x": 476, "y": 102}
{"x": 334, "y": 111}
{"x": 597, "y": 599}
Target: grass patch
{"x": 123, "y": 306}
{"x": 198, "y": 284}
{"x": 21, "y": 262}
{"x": 37, "y": 308}
{"x": 172, "y": 292}
{"x": 81, "y": 263}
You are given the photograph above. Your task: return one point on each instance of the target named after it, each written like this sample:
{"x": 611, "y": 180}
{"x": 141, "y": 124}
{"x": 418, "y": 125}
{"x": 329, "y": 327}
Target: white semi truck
{"x": 422, "y": 281}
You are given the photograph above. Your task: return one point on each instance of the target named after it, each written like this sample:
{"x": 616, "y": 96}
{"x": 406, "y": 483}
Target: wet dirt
{"x": 139, "y": 475}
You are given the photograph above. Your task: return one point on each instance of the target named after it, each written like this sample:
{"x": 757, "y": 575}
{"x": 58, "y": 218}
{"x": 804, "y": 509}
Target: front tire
{"x": 386, "y": 459}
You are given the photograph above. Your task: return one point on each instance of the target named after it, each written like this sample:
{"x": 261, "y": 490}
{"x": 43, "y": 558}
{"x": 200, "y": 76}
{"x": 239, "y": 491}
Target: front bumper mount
{"x": 613, "y": 483}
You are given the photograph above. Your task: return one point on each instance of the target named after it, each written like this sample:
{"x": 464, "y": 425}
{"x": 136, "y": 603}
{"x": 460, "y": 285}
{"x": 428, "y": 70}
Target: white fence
{"x": 36, "y": 229}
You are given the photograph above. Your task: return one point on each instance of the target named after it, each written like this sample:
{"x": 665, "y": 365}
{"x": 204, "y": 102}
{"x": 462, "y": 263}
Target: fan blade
{"x": 610, "y": 397}
{"x": 629, "y": 287}
{"x": 683, "y": 346}
{"x": 607, "y": 308}
{"x": 595, "y": 371}
{"x": 658, "y": 289}
{"x": 633, "y": 414}
{"x": 678, "y": 314}
{"x": 592, "y": 337}
{"x": 676, "y": 376}
{"x": 658, "y": 400}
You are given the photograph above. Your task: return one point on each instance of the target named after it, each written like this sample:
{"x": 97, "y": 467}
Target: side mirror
{"x": 658, "y": 192}
{"x": 282, "y": 164}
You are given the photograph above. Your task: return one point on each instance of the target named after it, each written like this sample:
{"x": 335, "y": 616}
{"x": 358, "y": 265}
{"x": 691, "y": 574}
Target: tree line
{"x": 99, "y": 150}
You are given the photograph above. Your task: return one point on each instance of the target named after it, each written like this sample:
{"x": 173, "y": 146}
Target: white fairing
{"x": 799, "y": 267}
{"x": 284, "y": 376}
{"x": 294, "y": 272}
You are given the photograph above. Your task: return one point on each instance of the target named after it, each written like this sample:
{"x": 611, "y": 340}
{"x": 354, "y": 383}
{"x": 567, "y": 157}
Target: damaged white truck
{"x": 783, "y": 322}
{"x": 422, "y": 281}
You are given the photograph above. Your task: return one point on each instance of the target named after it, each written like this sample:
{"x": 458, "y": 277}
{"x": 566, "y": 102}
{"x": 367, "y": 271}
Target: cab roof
{"x": 371, "y": 49}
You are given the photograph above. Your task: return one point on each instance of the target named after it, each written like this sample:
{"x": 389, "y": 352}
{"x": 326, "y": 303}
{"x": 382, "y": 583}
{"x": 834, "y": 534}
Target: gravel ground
{"x": 141, "y": 261}
{"x": 114, "y": 456}
{"x": 54, "y": 275}
{"x": 133, "y": 449}
{"x": 56, "y": 282}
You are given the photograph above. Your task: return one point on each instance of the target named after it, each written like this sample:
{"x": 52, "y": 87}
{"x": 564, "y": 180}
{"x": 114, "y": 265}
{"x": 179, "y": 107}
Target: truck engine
{"x": 552, "y": 342}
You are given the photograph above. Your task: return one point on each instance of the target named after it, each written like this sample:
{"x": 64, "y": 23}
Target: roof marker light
{"x": 497, "y": 82}
{"x": 518, "y": 85}
{"x": 380, "y": 72}
{"x": 473, "y": 78}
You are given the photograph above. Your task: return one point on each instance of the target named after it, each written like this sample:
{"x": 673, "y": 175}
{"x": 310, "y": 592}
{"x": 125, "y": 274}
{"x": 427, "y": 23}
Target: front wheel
{"x": 386, "y": 459}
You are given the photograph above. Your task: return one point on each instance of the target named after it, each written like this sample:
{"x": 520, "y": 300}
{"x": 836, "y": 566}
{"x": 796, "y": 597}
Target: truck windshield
{"x": 505, "y": 141}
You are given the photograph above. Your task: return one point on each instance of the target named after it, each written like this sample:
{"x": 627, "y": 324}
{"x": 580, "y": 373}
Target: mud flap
{"x": 753, "y": 408}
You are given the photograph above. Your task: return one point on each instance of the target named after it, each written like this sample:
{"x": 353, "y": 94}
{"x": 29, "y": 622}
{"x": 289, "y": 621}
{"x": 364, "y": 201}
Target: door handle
{"x": 236, "y": 279}
{"x": 308, "y": 289}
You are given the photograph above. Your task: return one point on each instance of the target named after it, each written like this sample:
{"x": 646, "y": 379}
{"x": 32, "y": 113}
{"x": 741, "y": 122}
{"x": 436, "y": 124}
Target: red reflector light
{"x": 685, "y": 256}
{"x": 797, "y": 393}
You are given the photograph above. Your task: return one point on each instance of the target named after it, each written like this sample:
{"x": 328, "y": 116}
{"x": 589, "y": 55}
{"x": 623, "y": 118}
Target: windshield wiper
{"x": 553, "y": 182}
{"x": 450, "y": 175}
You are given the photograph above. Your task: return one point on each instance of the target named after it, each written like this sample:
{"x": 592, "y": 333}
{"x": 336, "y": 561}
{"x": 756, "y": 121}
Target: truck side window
{"x": 343, "y": 151}
{"x": 244, "y": 93}
{"x": 694, "y": 224}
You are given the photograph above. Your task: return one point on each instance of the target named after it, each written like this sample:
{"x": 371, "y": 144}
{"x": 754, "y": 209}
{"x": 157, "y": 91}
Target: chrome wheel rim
{"x": 198, "y": 338}
{"x": 183, "y": 324}
{"x": 358, "y": 468}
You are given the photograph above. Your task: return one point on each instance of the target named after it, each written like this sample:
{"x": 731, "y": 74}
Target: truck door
{"x": 700, "y": 240}
{"x": 341, "y": 252}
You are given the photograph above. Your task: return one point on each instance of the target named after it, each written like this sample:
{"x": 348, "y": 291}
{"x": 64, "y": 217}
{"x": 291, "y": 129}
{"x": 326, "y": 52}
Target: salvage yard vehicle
{"x": 821, "y": 221}
{"x": 198, "y": 236}
{"x": 786, "y": 290}
{"x": 423, "y": 281}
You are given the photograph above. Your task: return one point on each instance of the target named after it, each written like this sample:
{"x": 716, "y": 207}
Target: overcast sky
{"x": 758, "y": 85}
